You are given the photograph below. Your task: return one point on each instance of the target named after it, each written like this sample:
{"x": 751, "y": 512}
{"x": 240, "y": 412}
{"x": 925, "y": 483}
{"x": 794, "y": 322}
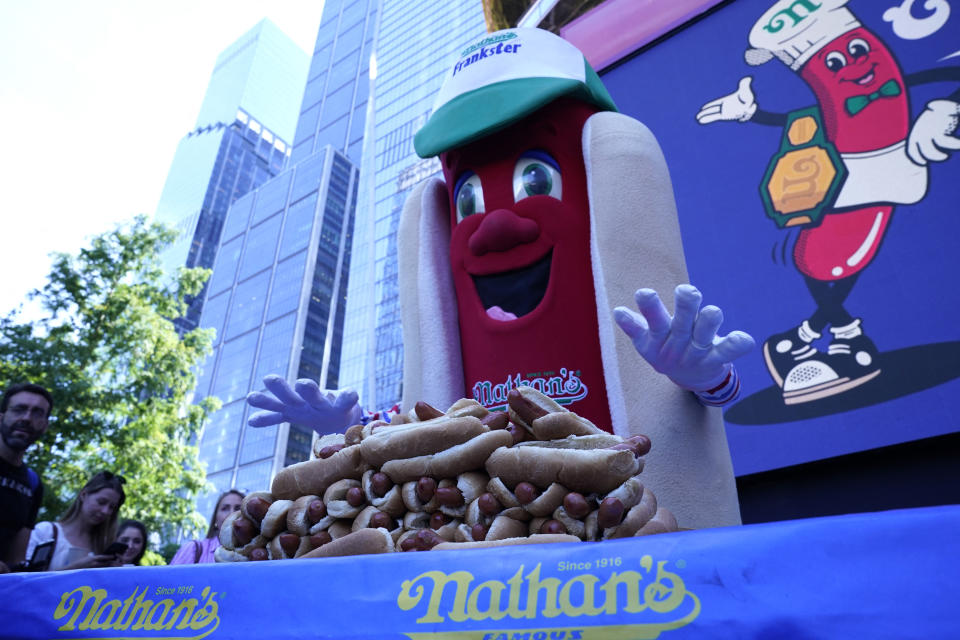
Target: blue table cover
{"x": 884, "y": 575}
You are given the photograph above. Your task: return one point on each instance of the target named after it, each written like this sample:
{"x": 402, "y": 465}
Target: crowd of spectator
{"x": 87, "y": 534}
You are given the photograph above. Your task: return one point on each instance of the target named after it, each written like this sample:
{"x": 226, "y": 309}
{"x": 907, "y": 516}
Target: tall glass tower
{"x": 276, "y": 298}
{"x": 334, "y": 104}
{"x": 274, "y": 301}
{"x": 414, "y": 43}
{"x": 240, "y": 141}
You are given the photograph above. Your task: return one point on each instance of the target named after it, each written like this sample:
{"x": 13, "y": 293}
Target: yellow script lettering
{"x": 631, "y": 580}
{"x": 549, "y": 587}
{"x": 661, "y": 597}
{"x": 75, "y": 601}
{"x": 496, "y": 588}
{"x": 440, "y": 580}
{"x": 586, "y": 608}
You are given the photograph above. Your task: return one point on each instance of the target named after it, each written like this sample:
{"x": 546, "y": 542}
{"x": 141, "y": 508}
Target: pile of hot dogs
{"x": 465, "y": 478}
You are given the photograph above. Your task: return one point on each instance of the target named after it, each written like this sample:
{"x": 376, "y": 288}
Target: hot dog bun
{"x": 539, "y": 538}
{"x": 450, "y": 462}
{"x": 314, "y": 476}
{"x": 360, "y": 542}
{"x": 418, "y": 438}
{"x": 589, "y": 471}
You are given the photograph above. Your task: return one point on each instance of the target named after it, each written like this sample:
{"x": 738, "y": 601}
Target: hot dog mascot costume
{"x": 553, "y": 208}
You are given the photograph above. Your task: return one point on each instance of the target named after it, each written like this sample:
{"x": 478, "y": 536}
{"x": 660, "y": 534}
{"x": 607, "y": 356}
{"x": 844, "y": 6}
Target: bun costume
{"x": 553, "y": 209}
{"x": 621, "y": 231}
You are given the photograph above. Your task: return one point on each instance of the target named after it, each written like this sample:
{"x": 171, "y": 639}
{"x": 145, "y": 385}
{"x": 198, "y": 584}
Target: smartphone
{"x": 115, "y": 549}
{"x": 42, "y": 553}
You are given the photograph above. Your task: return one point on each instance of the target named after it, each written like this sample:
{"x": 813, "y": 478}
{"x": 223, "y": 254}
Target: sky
{"x": 94, "y": 97}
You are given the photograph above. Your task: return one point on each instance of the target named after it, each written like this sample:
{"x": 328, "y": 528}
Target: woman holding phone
{"x": 82, "y": 536}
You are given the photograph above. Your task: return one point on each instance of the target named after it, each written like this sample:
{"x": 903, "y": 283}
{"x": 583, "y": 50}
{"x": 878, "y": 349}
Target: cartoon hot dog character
{"x": 552, "y": 210}
{"x": 864, "y": 112}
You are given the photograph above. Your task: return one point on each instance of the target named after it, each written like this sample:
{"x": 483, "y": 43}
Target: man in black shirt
{"x": 24, "y": 410}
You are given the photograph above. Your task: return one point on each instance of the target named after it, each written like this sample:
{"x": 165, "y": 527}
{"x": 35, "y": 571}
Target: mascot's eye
{"x": 858, "y": 48}
{"x": 835, "y": 61}
{"x": 468, "y": 196}
{"x": 536, "y": 174}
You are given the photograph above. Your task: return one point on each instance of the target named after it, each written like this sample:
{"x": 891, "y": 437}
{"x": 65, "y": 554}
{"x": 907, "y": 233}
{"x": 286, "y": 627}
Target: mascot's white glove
{"x": 684, "y": 347}
{"x": 323, "y": 411}
{"x": 739, "y": 105}
{"x": 933, "y": 132}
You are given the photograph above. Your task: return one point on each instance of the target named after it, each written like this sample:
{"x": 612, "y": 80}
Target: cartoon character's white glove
{"x": 323, "y": 411}
{"x": 739, "y": 105}
{"x": 933, "y": 132}
{"x": 684, "y": 347}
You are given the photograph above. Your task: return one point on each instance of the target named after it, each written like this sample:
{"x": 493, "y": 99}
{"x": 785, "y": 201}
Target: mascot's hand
{"x": 323, "y": 411}
{"x": 739, "y": 106}
{"x": 933, "y": 132}
{"x": 684, "y": 347}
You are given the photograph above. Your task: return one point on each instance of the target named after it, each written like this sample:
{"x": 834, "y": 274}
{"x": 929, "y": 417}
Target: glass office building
{"x": 415, "y": 42}
{"x": 240, "y": 141}
{"x": 275, "y": 303}
{"x": 276, "y": 296}
{"x": 334, "y": 104}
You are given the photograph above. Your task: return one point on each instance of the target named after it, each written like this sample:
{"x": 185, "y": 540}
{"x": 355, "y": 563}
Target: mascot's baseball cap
{"x": 794, "y": 30}
{"x": 501, "y": 78}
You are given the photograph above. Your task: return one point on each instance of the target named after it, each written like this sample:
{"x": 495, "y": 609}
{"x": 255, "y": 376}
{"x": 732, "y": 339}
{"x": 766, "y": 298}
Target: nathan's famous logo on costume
{"x": 625, "y": 603}
{"x": 495, "y": 39}
{"x": 841, "y": 168}
{"x": 180, "y": 613}
{"x": 492, "y": 46}
{"x": 564, "y": 388}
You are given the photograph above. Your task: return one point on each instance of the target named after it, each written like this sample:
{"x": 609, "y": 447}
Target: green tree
{"x": 120, "y": 374}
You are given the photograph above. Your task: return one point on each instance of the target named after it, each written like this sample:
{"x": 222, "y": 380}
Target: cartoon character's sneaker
{"x": 851, "y": 360}
{"x": 783, "y": 352}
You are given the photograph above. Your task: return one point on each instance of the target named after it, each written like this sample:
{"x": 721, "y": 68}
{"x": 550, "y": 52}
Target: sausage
{"x": 243, "y": 531}
{"x": 526, "y": 492}
{"x": 610, "y": 513}
{"x": 450, "y": 496}
{"x": 488, "y": 504}
{"x": 381, "y": 519}
{"x": 496, "y": 420}
{"x": 438, "y": 519}
{"x": 552, "y": 526}
{"x": 329, "y": 450}
{"x": 426, "y": 489}
{"x": 289, "y": 542}
{"x": 639, "y": 444}
{"x": 425, "y": 412}
{"x": 257, "y": 507}
{"x": 576, "y": 505}
{"x": 320, "y": 538}
{"x": 524, "y": 408}
{"x": 316, "y": 511}
{"x": 355, "y": 497}
{"x": 380, "y": 483}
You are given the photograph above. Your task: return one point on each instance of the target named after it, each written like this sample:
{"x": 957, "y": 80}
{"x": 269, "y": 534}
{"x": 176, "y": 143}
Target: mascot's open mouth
{"x": 513, "y": 294}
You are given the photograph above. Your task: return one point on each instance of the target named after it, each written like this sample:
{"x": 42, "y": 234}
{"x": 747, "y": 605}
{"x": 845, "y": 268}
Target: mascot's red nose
{"x": 502, "y": 230}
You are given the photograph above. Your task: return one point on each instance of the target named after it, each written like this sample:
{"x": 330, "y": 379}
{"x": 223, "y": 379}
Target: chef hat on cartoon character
{"x": 794, "y": 30}
{"x": 501, "y": 78}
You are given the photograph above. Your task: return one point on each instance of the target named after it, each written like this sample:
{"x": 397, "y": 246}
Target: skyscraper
{"x": 334, "y": 104}
{"x": 240, "y": 141}
{"x": 414, "y": 43}
{"x": 274, "y": 301}
{"x": 276, "y": 296}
